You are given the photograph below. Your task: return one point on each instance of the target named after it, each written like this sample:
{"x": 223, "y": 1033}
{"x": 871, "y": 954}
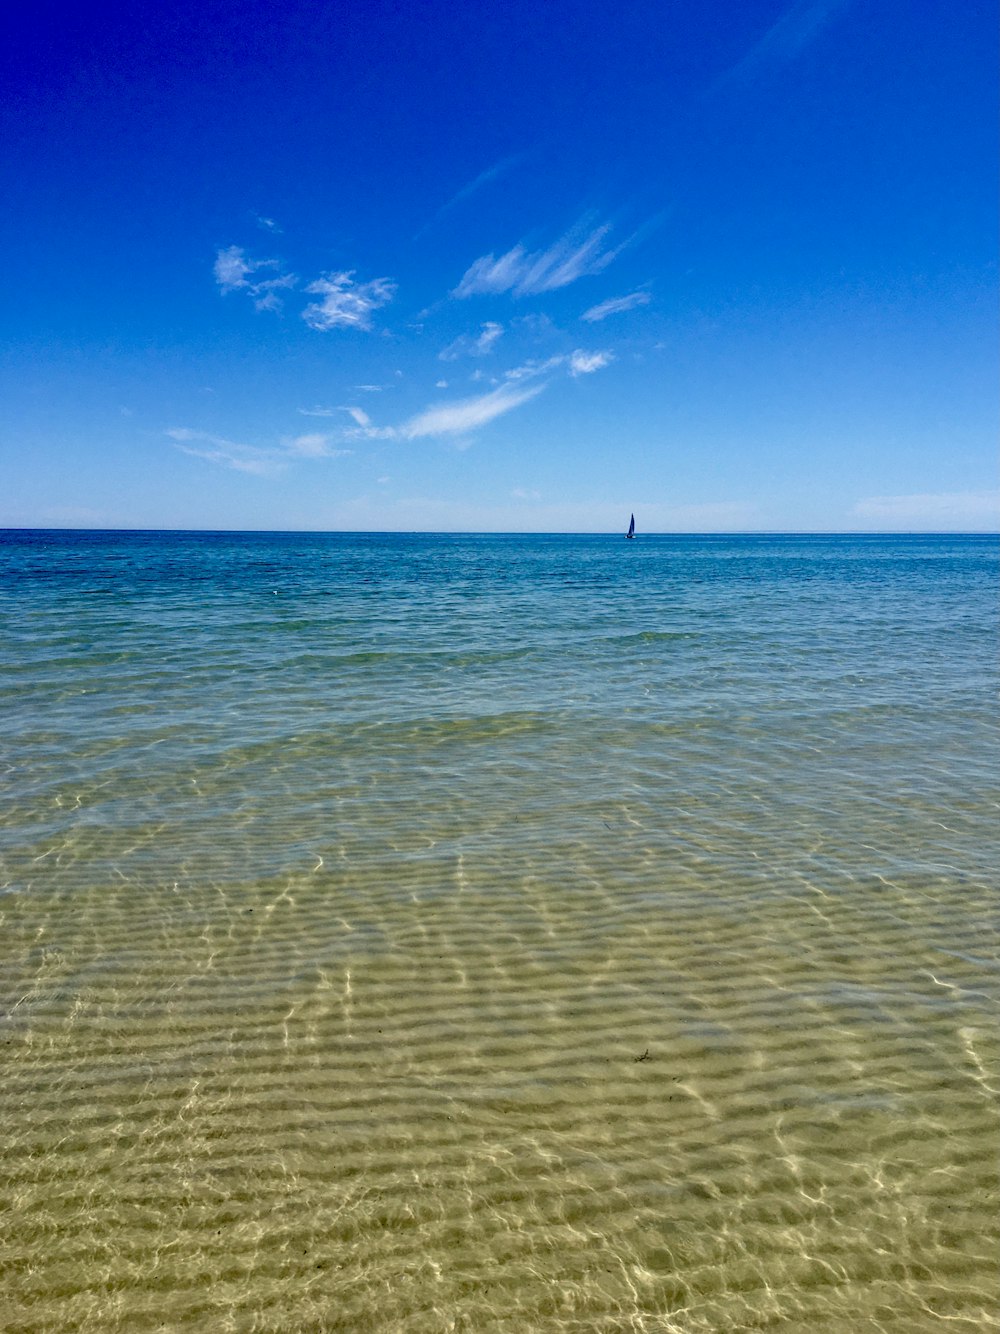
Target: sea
{"x": 499, "y": 933}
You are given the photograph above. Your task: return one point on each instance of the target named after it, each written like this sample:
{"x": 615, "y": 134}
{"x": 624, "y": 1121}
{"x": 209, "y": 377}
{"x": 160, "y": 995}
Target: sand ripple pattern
{"x": 498, "y": 935}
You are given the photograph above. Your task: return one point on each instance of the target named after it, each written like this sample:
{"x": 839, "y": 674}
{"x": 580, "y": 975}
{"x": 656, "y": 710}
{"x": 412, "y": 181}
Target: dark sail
{"x": 631, "y": 527}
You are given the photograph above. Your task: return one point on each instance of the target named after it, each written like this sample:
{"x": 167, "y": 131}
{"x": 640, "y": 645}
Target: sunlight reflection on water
{"x": 491, "y": 933}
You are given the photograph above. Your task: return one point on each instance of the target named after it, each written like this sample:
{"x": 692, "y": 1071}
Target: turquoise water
{"x": 498, "y": 933}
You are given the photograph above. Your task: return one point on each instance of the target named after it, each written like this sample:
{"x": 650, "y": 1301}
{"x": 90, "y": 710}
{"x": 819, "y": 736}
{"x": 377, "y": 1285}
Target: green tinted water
{"x": 498, "y": 934}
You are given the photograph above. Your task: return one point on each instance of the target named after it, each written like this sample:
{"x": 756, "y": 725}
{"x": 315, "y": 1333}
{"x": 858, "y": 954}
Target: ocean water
{"x": 498, "y": 933}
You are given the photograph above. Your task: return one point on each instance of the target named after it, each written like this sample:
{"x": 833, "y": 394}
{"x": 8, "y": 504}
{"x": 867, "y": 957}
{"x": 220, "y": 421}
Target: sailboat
{"x": 631, "y": 528}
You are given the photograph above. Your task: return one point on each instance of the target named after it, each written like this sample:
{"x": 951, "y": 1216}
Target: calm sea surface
{"x": 498, "y": 933}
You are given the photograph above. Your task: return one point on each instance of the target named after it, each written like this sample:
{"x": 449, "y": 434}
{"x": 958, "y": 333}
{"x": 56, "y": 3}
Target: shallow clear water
{"x": 482, "y": 933}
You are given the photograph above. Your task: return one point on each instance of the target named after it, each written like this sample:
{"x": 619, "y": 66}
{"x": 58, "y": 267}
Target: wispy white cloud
{"x": 467, "y": 414}
{"x": 536, "y": 324}
{"x": 579, "y": 253}
{"x": 372, "y": 388}
{"x": 235, "y": 271}
{"x": 313, "y": 445}
{"x": 345, "y": 303}
{"x": 485, "y": 177}
{"x": 251, "y": 458}
{"x": 585, "y": 363}
{"x": 266, "y": 224}
{"x": 975, "y": 509}
{"x": 232, "y": 268}
{"x": 227, "y": 453}
{"x": 520, "y": 493}
{"x": 614, "y": 306}
{"x": 364, "y": 428}
{"x": 371, "y": 433}
{"x": 800, "y": 25}
{"x": 477, "y": 346}
{"x": 363, "y": 423}
{"x": 577, "y": 363}
{"x": 531, "y": 369}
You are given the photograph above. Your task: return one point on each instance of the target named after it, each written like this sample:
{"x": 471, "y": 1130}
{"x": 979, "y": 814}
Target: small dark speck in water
{"x": 644, "y": 1057}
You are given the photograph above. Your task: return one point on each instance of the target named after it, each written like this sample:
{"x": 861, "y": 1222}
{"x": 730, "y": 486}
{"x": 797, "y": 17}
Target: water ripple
{"x": 496, "y": 936}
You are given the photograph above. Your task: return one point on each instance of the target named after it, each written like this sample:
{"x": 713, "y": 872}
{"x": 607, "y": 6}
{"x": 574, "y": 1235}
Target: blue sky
{"x": 520, "y": 268}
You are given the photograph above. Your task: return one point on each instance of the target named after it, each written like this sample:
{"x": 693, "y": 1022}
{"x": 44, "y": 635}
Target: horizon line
{"x": 523, "y": 532}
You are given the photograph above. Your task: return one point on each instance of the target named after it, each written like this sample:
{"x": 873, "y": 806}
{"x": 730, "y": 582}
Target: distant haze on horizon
{"x": 288, "y": 268}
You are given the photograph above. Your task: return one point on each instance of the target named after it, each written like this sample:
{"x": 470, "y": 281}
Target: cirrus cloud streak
{"x": 467, "y": 414}
{"x": 615, "y": 305}
{"x": 581, "y": 252}
{"x": 252, "y": 458}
